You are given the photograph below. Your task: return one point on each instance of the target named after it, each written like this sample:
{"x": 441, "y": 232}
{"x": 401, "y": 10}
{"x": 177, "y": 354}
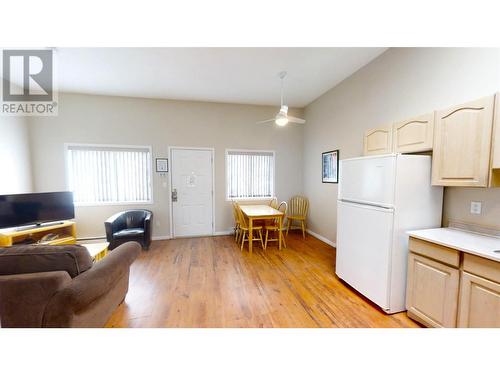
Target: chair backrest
{"x": 283, "y": 207}
{"x": 135, "y": 218}
{"x": 298, "y": 206}
{"x": 235, "y": 212}
{"x": 241, "y": 216}
{"x": 274, "y": 203}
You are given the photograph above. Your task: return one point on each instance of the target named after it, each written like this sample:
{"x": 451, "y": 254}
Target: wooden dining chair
{"x": 274, "y": 203}
{"x": 297, "y": 211}
{"x": 244, "y": 229}
{"x": 267, "y": 222}
{"x": 275, "y": 226}
{"x": 237, "y": 231}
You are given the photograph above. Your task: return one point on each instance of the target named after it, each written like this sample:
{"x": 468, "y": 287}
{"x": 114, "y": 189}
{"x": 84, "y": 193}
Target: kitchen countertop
{"x": 469, "y": 242}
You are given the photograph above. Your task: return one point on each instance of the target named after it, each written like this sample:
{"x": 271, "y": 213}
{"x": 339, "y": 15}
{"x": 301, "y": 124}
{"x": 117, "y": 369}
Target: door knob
{"x": 174, "y": 195}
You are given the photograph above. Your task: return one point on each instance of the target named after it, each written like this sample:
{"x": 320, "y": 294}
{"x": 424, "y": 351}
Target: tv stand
{"x": 66, "y": 231}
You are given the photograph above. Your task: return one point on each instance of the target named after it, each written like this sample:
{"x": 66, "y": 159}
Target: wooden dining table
{"x": 260, "y": 212}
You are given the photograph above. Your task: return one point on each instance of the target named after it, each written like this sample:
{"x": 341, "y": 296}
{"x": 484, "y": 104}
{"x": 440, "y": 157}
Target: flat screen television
{"x": 35, "y": 209}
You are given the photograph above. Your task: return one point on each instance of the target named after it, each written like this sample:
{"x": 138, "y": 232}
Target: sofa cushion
{"x": 74, "y": 259}
{"x": 131, "y": 232}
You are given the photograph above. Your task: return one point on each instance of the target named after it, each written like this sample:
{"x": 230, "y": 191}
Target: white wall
{"x": 400, "y": 83}
{"x": 160, "y": 124}
{"x": 15, "y": 167}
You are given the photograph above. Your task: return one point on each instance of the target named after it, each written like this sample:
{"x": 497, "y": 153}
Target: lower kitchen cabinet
{"x": 449, "y": 288}
{"x": 479, "y": 302}
{"x": 432, "y": 292}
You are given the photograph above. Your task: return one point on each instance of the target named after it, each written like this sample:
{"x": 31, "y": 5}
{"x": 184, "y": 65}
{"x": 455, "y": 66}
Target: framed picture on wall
{"x": 330, "y": 167}
{"x": 161, "y": 165}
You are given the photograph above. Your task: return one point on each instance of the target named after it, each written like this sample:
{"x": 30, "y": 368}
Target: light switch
{"x": 475, "y": 208}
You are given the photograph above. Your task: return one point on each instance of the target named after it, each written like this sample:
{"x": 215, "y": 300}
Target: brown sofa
{"x": 60, "y": 286}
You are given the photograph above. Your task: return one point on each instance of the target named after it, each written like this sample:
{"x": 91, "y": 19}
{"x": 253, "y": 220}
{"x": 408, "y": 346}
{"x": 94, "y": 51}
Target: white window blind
{"x": 109, "y": 174}
{"x": 250, "y": 174}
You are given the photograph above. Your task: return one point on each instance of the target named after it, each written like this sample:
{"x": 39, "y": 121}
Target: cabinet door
{"x": 432, "y": 292}
{"x": 462, "y": 142}
{"x": 414, "y": 135}
{"x": 495, "y": 147}
{"x": 378, "y": 141}
{"x": 479, "y": 302}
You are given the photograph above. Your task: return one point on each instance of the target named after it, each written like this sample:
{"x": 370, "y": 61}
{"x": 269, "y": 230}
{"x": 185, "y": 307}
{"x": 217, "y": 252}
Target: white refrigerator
{"x": 380, "y": 198}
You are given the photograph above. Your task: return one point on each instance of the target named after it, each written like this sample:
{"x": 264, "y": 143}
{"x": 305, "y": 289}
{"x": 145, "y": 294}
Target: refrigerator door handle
{"x": 368, "y": 205}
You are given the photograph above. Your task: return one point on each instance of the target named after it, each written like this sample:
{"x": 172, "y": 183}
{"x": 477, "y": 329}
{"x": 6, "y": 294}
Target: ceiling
{"x": 229, "y": 75}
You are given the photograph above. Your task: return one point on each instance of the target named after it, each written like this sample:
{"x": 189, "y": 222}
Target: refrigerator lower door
{"x": 364, "y": 242}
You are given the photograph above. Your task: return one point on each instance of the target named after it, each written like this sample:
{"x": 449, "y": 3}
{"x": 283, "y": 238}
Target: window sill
{"x": 249, "y": 199}
{"x": 99, "y": 204}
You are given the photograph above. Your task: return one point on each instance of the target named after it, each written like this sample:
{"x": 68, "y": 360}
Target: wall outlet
{"x": 157, "y": 222}
{"x": 475, "y": 208}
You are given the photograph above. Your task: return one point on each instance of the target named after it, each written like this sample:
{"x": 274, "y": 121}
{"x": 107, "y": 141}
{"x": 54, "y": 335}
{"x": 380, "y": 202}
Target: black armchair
{"x": 133, "y": 225}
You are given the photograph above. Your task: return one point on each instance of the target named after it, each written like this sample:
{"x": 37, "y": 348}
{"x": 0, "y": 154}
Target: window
{"x": 250, "y": 174}
{"x": 109, "y": 174}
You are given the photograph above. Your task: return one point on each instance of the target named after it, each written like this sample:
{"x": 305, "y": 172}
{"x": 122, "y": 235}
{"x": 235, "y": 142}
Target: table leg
{"x": 250, "y": 234}
{"x": 280, "y": 221}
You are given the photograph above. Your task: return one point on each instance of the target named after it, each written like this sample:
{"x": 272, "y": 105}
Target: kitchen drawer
{"x": 434, "y": 251}
{"x": 483, "y": 267}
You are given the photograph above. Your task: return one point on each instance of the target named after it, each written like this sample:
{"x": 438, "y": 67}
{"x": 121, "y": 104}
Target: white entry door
{"x": 192, "y": 192}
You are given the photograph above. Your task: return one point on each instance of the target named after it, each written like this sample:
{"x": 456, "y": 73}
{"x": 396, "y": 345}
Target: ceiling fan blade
{"x": 296, "y": 120}
{"x": 265, "y": 121}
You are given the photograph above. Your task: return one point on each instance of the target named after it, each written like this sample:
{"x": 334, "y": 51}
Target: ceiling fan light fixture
{"x": 282, "y": 118}
{"x": 281, "y": 121}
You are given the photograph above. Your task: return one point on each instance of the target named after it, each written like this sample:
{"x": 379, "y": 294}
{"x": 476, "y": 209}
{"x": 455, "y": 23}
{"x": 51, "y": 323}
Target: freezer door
{"x": 364, "y": 241}
{"x": 368, "y": 180}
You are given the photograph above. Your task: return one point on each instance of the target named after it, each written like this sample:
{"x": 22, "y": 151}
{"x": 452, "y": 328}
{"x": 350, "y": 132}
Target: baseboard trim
{"x": 224, "y": 232}
{"x": 160, "y": 238}
{"x": 321, "y": 238}
{"x": 218, "y": 233}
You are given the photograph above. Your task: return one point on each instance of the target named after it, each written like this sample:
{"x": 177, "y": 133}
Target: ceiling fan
{"x": 282, "y": 117}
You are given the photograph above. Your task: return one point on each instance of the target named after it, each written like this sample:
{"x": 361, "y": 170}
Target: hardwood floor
{"x": 209, "y": 282}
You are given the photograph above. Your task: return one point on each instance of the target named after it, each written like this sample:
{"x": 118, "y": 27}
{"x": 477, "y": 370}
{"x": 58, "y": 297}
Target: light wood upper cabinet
{"x": 414, "y": 135}
{"x": 495, "y": 149}
{"x": 462, "y": 142}
{"x": 432, "y": 292}
{"x": 378, "y": 141}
